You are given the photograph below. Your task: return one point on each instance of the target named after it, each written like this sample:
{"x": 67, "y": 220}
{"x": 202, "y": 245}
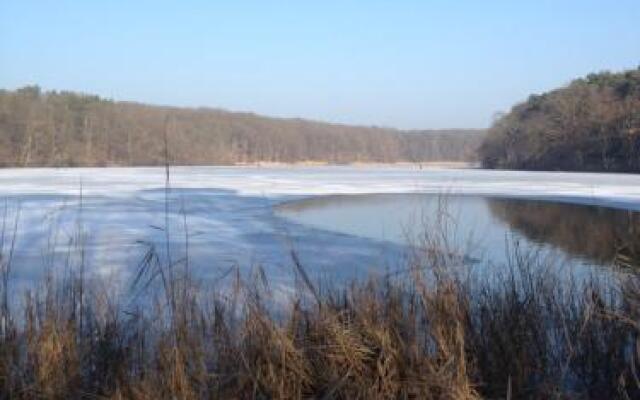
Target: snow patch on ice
{"x": 620, "y": 190}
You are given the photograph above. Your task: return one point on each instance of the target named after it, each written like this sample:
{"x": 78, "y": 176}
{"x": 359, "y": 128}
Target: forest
{"x": 62, "y": 129}
{"x": 593, "y": 124}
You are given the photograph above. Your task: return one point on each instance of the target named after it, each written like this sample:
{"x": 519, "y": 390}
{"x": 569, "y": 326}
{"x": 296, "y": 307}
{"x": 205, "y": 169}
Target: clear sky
{"x": 407, "y": 64}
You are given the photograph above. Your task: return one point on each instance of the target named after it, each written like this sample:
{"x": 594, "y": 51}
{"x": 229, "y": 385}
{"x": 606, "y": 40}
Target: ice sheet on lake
{"x": 612, "y": 189}
{"x": 229, "y": 211}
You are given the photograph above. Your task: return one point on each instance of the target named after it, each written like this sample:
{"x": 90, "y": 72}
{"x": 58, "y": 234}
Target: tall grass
{"x": 434, "y": 334}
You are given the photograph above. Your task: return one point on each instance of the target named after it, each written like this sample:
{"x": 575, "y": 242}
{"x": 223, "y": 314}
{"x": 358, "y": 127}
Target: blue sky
{"x": 406, "y": 64}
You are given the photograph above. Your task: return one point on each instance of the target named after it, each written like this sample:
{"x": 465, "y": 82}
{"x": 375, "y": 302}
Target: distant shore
{"x": 403, "y": 164}
{"x": 271, "y": 164}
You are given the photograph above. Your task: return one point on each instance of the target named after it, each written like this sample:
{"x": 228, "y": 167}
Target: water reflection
{"x": 599, "y": 234}
{"x": 583, "y": 234}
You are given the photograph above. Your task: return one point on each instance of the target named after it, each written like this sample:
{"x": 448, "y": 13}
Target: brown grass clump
{"x": 54, "y": 359}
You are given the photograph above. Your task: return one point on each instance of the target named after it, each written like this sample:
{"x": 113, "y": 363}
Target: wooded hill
{"x": 69, "y": 129}
{"x": 593, "y": 124}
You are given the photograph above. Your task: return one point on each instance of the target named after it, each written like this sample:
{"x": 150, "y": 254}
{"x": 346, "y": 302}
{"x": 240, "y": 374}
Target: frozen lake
{"x": 225, "y": 217}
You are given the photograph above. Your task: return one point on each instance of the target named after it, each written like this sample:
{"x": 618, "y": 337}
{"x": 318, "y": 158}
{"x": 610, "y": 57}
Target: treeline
{"x": 69, "y": 129}
{"x": 593, "y": 124}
